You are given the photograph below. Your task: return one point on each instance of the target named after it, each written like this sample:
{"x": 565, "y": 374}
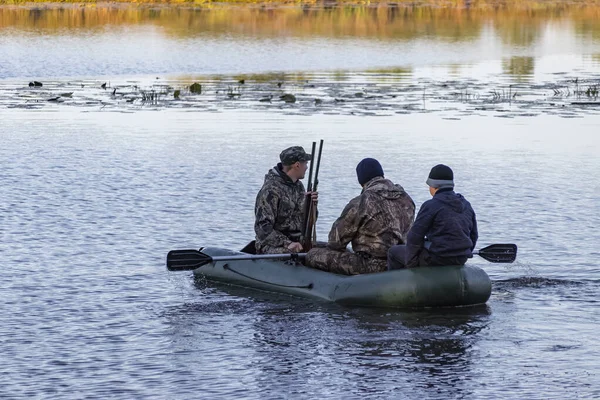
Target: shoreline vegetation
{"x": 460, "y": 4}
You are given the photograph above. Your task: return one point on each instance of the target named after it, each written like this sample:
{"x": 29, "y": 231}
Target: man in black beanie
{"x": 373, "y": 222}
{"x": 445, "y": 231}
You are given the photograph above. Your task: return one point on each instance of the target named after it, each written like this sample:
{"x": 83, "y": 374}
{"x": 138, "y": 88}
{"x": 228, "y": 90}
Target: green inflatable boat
{"x": 449, "y": 286}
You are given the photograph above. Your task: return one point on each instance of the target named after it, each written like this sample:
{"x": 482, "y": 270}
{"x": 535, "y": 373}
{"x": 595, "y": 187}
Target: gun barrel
{"x": 309, "y": 209}
{"x": 310, "y": 172}
{"x": 318, "y": 165}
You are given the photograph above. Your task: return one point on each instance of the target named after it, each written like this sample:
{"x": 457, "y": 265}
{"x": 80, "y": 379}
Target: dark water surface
{"x": 96, "y": 190}
{"x": 91, "y": 203}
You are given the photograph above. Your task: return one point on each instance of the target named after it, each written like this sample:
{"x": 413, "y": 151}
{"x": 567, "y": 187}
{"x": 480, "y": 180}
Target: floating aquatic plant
{"x": 196, "y": 88}
{"x": 288, "y": 98}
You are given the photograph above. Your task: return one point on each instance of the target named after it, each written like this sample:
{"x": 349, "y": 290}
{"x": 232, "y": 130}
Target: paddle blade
{"x": 499, "y": 253}
{"x": 186, "y": 260}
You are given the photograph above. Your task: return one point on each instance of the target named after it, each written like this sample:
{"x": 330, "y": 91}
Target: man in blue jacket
{"x": 445, "y": 230}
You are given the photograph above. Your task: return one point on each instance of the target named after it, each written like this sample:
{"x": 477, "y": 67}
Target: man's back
{"x": 449, "y": 222}
{"x": 374, "y": 221}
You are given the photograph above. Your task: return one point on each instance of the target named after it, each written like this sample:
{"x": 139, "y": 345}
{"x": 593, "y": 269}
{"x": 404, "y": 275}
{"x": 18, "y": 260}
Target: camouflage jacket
{"x": 278, "y": 210}
{"x": 374, "y": 221}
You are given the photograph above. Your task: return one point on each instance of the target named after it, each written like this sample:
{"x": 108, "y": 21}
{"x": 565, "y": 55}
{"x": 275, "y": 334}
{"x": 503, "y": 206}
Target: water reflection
{"x": 517, "y": 23}
{"x": 344, "y": 346}
{"x": 521, "y": 68}
{"x": 589, "y": 27}
{"x": 407, "y": 350}
{"x": 86, "y": 41}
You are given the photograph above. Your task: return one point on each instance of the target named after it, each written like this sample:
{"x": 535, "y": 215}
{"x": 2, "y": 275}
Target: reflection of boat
{"x": 407, "y": 288}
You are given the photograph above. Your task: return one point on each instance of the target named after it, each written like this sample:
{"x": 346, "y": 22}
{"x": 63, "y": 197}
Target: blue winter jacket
{"x": 449, "y": 223}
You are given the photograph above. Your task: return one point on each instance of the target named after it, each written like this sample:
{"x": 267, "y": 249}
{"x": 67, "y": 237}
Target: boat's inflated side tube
{"x": 417, "y": 287}
{"x": 275, "y": 276}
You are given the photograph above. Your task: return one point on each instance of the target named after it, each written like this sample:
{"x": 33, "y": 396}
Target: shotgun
{"x": 310, "y": 208}
{"x": 306, "y": 208}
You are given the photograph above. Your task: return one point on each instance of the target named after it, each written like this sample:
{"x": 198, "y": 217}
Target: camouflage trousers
{"x": 273, "y": 250}
{"x": 283, "y": 250}
{"x": 344, "y": 262}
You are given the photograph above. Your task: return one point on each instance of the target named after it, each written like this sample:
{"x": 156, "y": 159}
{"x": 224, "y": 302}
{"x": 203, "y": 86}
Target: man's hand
{"x": 314, "y": 196}
{"x": 295, "y": 247}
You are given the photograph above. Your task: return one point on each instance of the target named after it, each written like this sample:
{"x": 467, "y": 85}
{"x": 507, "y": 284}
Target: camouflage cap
{"x": 293, "y": 154}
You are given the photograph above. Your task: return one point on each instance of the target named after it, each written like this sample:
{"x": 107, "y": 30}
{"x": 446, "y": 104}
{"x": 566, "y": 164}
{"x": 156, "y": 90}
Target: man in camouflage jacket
{"x": 280, "y": 204}
{"x": 373, "y": 222}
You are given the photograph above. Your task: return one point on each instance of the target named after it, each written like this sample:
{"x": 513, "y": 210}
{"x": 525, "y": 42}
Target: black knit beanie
{"x": 441, "y": 176}
{"x": 368, "y": 169}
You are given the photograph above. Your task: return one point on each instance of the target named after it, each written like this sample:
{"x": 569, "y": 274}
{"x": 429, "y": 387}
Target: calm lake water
{"x": 97, "y": 187}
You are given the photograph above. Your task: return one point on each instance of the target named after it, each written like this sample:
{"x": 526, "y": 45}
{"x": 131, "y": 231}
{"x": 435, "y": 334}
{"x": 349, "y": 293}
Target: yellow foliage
{"x": 517, "y": 21}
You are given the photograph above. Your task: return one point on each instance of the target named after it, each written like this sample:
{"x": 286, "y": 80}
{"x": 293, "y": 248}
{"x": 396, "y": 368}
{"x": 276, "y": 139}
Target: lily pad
{"x": 196, "y": 88}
